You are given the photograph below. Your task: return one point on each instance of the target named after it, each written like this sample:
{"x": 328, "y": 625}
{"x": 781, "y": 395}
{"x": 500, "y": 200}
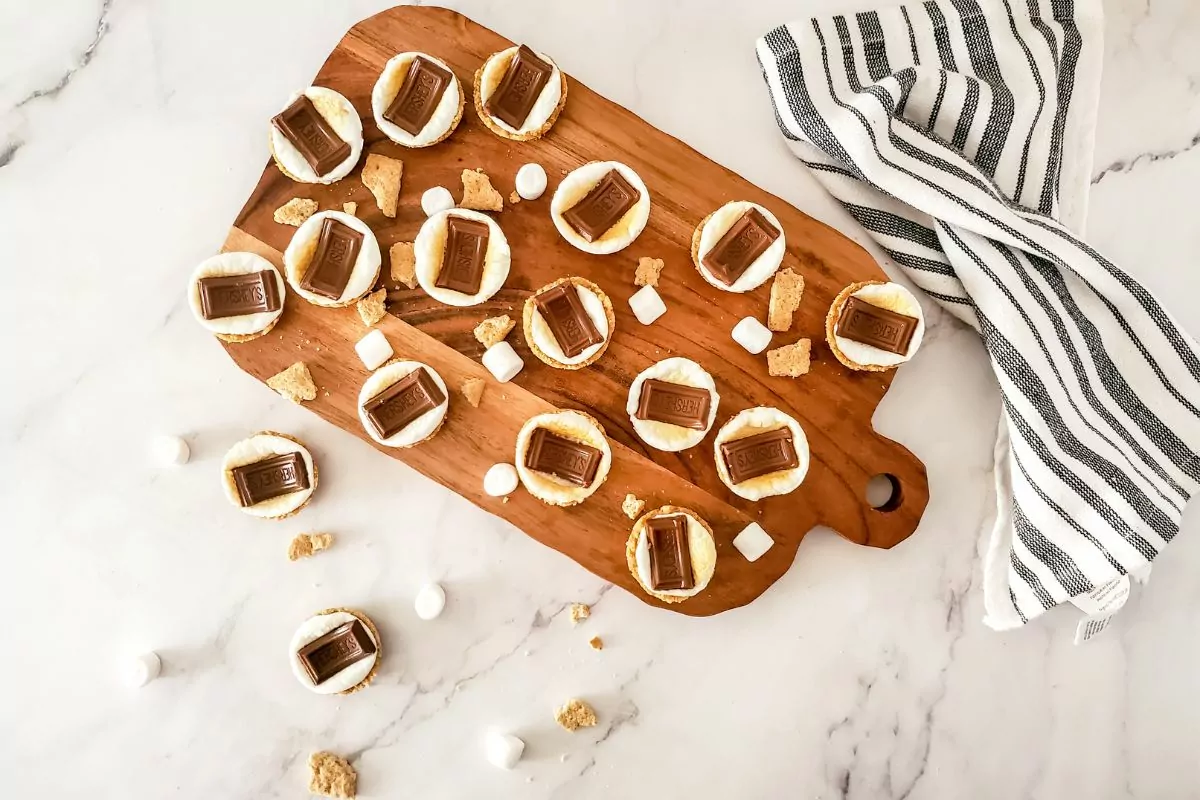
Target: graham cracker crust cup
{"x": 632, "y": 542}
{"x": 530, "y": 136}
{"x": 370, "y": 626}
{"x": 312, "y": 478}
{"x": 831, "y": 320}
{"x": 238, "y": 338}
{"x": 527, "y": 323}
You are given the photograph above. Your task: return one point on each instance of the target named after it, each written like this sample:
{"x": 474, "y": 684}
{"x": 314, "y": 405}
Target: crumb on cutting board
{"x": 295, "y": 383}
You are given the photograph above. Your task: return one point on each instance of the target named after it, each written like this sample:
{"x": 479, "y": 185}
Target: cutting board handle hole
{"x": 883, "y": 492}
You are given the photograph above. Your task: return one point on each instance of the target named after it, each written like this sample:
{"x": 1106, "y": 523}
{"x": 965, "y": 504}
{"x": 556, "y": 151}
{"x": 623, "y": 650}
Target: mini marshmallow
{"x": 430, "y": 601}
{"x": 753, "y": 542}
{"x": 144, "y": 669}
{"x": 503, "y": 362}
{"x": 647, "y": 305}
{"x": 752, "y": 335}
{"x": 501, "y": 479}
{"x": 531, "y": 181}
{"x": 436, "y": 199}
{"x": 503, "y": 749}
{"x": 373, "y": 349}
{"x": 169, "y": 451}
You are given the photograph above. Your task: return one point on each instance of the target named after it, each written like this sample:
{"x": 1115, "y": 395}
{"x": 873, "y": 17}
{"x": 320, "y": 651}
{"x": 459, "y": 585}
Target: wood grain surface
{"x": 834, "y": 405}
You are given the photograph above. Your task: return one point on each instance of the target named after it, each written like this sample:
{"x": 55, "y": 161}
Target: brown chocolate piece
{"x": 270, "y": 478}
{"x": 419, "y": 95}
{"x": 234, "y": 295}
{"x": 463, "y": 255}
{"x": 567, "y": 319}
{"x": 520, "y": 88}
{"x": 685, "y": 406}
{"x": 760, "y": 454}
{"x": 396, "y": 407}
{"x": 670, "y": 553}
{"x": 334, "y": 259}
{"x": 603, "y": 206}
{"x": 879, "y": 327}
{"x": 312, "y": 135}
{"x": 331, "y": 653}
{"x": 740, "y": 246}
{"x": 572, "y": 461}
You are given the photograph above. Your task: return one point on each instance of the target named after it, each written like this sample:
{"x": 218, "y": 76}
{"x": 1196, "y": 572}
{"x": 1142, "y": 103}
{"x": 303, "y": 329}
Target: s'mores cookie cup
{"x": 874, "y": 326}
{"x": 462, "y": 257}
{"x": 738, "y": 247}
{"x": 417, "y": 101}
{"x": 673, "y": 404}
{"x": 333, "y": 259}
{"x": 601, "y": 207}
{"x": 761, "y": 452}
{"x": 236, "y": 296}
{"x": 519, "y": 93}
{"x": 569, "y": 323}
{"x": 403, "y": 403}
{"x": 336, "y": 651}
{"x": 562, "y": 457}
{"x": 318, "y": 136}
{"x": 270, "y": 475}
{"x": 672, "y": 554}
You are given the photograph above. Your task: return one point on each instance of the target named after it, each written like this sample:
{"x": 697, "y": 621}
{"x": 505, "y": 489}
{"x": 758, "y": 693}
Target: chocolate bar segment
{"x": 760, "y": 454}
{"x": 674, "y": 404}
{"x": 603, "y": 206}
{"x": 670, "y": 553}
{"x": 556, "y": 455}
{"x": 419, "y": 95}
{"x": 333, "y": 262}
{"x": 270, "y": 478}
{"x": 567, "y": 319}
{"x": 463, "y": 256}
{"x": 740, "y": 246}
{"x": 520, "y": 88}
{"x": 879, "y": 327}
{"x": 331, "y": 653}
{"x": 399, "y": 405}
{"x": 234, "y": 295}
{"x": 312, "y": 135}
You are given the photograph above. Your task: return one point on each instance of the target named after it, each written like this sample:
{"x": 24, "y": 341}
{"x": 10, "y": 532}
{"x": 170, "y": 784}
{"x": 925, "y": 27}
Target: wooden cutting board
{"x": 833, "y": 404}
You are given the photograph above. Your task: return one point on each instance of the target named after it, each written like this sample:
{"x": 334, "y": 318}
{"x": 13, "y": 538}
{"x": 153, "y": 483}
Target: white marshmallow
{"x": 169, "y": 451}
{"x": 531, "y": 181}
{"x": 647, "y": 305}
{"x": 753, "y": 542}
{"x": 430, "y": 601}
{"x": 503, "y": 749}
{"x": 752, "y": 335}
{"x": 373, "y": 349}
{"x": 144, "y": 669}
{"x": 436, "y": 200}
{"x": 501, "y": 479}
{"x": 503, "y": 362}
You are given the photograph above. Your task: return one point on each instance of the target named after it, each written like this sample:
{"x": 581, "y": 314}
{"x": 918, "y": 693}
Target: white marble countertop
{"x": 130, "y": 133}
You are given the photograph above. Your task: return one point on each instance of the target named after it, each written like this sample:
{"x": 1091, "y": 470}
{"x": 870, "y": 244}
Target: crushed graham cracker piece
{"x": 580, "y": 612}
{"x": 574, "y": 715}
{"x": 513, "y": 198}
{"x": 596, "y": 643}
{"x": 373, "y": 307}
{"x": 404, "y": 264}
{"x": 472, "y": 389}
{"x": 648, "y": 270}
{"x": 350, "y": 207}
{"x": 478, "y": 193}
{"x": 493, "y": 330}
{"x": 295, "y": 211}
{"x": 382, "y": 176}
{"x": 791, "y": 360}
{"x": 307, "y": 544}
{"x": 331, "y": 775}
{"x": 295, "y": 383}
{"x": 632, "y": 506}
{"x": 786, "y": 291}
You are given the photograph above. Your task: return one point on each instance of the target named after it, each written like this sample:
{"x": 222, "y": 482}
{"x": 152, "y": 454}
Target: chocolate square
{"x": 331, "y": 653}
{"x": 520, "y": 88}
{"x": 567, "y": 319}
{"x": 760, "y": 454}
{"x": 333, "y": 261}
{"x": 235, "y": 295}
{"x": 270, "y": 478}
{"x": 556, "y": 455}
{"x": 740, "y": 246}
{"x": 670, "y": 553}
{"x": 603, "y": 206}
{"x": 399, "y": 405}
{"x": 674, "y": 404}
{"x": 312, "y": 135}
{"x": 419, "y": 95}
{"x": 463, "y": 255}
{"x": 878, "y": 327}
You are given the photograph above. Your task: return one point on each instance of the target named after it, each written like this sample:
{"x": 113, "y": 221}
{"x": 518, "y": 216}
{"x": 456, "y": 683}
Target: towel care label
{"x": 1100, "y": 605}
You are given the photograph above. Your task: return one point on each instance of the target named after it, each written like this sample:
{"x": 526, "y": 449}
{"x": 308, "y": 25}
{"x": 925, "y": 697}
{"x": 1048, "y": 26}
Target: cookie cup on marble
{"x": 541, "y": 340}
{"x": 367, "y": 623}
{"x": 243, "y": 453}
{"x": 245, "y": 327}
{"x": 701, "y": 544}
{"x": 884, "y": 294}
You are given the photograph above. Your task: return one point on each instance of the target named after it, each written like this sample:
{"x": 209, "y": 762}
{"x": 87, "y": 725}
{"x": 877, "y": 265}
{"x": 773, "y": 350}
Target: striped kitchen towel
{"x": 959, "y": 135}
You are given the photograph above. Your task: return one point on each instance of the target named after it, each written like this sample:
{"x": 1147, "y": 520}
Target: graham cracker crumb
{"x": 493, "y": 330}
{"x": 404, "y": 264}
{"x": 574, "y": 715}
{"x": 791, "y": 360}
{"x": 382, "y": 176}
{"x": 513, "y": 198}
{"x": 478, "y": 193}
{"x": 596, "y": 642}
{"x": 295, "y": 383}
{"x": 350, "y": 208}
{"x": 373, "y": 307}
{"x": 331, "y": 775}
{"x": 580, "y": 612}
{"x": 295, "y": 211}
{"x": 632, "y": 506}
{"x": 472, "y": 389}
{"x": 786, "y": 291}
{"x": 648, "y": 270}
{"x": 307, "y": 544}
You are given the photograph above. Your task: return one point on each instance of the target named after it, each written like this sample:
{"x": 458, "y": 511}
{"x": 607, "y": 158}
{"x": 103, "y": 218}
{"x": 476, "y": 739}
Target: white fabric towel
{"x": 959, "y": 135}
